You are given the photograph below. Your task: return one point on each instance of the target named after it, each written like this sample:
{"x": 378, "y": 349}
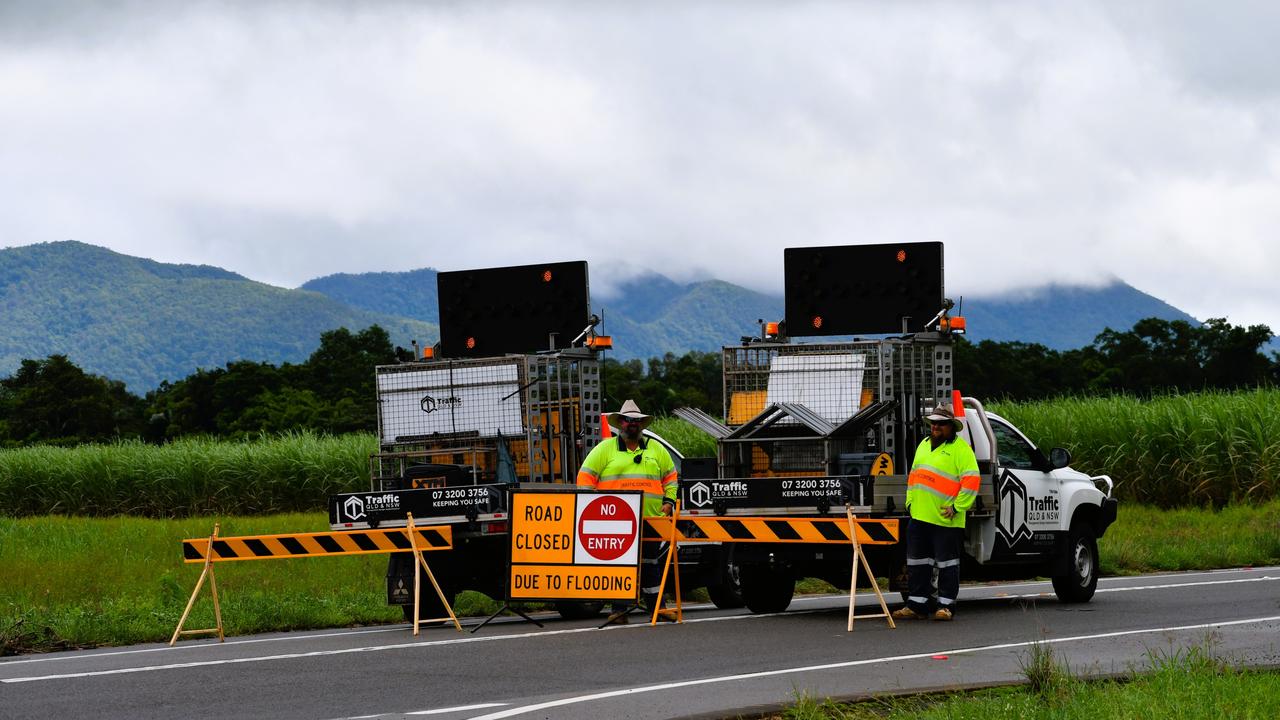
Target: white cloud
{"x": 289, "y": 140}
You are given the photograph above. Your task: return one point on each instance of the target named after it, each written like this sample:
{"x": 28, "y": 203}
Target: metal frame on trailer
{"x": 545, "y": 408}
{"x": 835, "y": 380}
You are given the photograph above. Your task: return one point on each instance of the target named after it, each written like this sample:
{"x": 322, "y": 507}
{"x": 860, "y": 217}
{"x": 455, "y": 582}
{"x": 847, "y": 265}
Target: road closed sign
{"x": 574, "y": 546}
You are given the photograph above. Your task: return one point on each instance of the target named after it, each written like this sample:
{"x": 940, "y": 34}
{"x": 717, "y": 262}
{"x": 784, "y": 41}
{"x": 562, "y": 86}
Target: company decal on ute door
{"x": 1011, "y": 521}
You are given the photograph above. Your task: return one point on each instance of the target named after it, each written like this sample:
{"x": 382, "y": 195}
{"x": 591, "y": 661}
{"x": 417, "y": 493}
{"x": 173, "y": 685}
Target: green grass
{"x": 1210, "y": 448}
{"x": 1146, "y": 538}
{"x": 1171, "y": 451}
{"x": 79, "y": 582}
{"x": 690, "y": 441}
{"x": 1188, "y": 684}
{"x": 295, "y": 472}
{"x": 201, "y": 476}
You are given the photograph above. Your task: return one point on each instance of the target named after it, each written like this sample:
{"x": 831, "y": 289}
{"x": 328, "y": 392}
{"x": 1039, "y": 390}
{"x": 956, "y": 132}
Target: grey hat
{"x": 632, "y": 411}
{"x": 944, "y": 413}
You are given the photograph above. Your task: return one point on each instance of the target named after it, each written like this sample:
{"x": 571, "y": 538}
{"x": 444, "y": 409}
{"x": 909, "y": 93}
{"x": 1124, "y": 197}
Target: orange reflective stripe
{"x": 670, "y": 478}
{"x": 648, "y": 485}
{"x": 932, "y": 480}
{"x": 971, "y": 482}
{"x": 586, "y": 478}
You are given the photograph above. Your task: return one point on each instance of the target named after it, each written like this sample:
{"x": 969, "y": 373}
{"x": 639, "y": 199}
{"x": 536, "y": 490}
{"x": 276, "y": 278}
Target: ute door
{"x": 1027, "y": 497}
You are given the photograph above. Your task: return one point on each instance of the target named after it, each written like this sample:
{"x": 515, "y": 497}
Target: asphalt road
{"x": 717, "y": 664}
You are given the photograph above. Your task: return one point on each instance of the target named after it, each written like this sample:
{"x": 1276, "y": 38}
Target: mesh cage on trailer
{"x": 834, "y": 381}
{"x": 514, "y": 418}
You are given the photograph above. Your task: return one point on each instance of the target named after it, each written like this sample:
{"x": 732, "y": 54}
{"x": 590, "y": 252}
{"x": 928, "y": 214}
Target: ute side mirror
{"x": 1059, "y": 458}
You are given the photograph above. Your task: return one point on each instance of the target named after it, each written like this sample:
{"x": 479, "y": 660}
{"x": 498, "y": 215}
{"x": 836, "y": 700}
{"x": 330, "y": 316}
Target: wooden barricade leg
{"x": 420, "y": 564}
{"x": 213, "y": 587}
{"x": 858, "y": 557}
{"x": 673, "y": 561}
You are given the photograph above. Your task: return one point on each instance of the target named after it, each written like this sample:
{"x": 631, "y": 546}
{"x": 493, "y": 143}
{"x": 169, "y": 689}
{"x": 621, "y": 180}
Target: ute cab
{"x": 1045, "y": 514}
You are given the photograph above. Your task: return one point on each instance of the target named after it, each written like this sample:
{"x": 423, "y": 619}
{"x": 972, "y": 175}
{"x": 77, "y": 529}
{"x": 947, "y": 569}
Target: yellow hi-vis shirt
{"x": 941, "y": 477}
{"x": 611, "y": 466}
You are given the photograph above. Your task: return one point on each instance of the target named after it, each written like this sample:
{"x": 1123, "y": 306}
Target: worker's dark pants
{"x": 652, "y": 557}
{"x": 932, "y": 546}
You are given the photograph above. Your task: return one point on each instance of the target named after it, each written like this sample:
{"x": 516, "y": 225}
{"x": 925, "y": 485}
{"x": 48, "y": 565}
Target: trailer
{"x": 809, "y": 427}
{"x": 510, "y": 398}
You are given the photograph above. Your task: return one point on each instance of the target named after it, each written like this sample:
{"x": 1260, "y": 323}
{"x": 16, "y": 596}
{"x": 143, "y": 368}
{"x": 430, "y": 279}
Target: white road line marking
{"x": 1164, "y": 586}
{"x": 491, "y": 638}
{"x": 198, "y": 646}
{"x": 852, "y": 663}
{"x": 1046, "y": 583}
{"x": 65, "y": 657}
{"x": 460, "y": 708}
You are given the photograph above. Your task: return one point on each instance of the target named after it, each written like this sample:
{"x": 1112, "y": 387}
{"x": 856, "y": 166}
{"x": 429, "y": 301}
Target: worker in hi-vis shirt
{"x": 630, "y": 461}
{"x": 941, "y": 488}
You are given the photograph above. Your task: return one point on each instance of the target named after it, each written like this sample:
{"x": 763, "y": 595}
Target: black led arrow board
{"x": 853, "y": 289}
{"x": 496, "y": 311}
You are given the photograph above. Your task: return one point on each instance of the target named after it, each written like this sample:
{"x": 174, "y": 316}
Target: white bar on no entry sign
{"x": 607, "y": 527}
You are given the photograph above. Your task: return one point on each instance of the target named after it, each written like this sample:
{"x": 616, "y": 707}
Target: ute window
{"x": 1015, "y": 452}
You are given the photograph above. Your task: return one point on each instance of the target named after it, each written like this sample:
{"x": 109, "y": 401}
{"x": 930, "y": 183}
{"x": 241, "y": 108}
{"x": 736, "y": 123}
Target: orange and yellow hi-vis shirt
{"x": 941, "y": 477}
{"x": 649, "y": 468}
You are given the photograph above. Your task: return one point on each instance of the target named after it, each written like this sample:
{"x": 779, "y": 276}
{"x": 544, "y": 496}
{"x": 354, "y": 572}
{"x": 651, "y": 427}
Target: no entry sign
{"x": 574, "y": 546}
{"x": 607, "y": 528}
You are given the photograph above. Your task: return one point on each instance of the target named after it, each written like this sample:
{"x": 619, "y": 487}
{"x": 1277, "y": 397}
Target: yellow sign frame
{"x": 542, "y": 564}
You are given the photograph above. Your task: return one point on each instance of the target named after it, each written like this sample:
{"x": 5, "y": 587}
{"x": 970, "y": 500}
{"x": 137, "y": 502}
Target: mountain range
{"x": 145, "y": 322}
{"x": 653, "y": 315}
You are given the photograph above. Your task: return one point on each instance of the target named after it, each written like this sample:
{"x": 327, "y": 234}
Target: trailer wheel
{"x": 727, "y": 594}
{"x": 1080, "y": 580}
{"x": 578, "y": 610}
{"x": 429, "y": 602}
{"x": 766, "y": 588}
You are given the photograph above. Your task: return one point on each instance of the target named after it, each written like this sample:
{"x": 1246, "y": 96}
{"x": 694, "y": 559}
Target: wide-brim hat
{"x": 944, "y": 413}
{"x": 630, "y": 411}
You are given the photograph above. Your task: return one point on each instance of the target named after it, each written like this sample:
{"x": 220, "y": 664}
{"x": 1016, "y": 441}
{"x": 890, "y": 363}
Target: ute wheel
{"x": 1081, "y": 578}
{"x": 576, "y": 610}
{"x": 766, "y": 589}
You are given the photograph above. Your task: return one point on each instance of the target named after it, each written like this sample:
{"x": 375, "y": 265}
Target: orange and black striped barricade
{"x": 834, "y": 530}
{"x": 215, "y": 549}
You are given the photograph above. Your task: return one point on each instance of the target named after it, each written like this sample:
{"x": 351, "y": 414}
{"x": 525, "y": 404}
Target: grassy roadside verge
{"x": 80, "y": 582}
{"x": 1189, "y": 684}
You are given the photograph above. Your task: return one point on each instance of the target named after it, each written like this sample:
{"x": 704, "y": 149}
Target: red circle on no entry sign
{"x": 607, "y": 528}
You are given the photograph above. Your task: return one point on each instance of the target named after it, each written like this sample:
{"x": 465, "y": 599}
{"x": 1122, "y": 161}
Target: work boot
{"x": 906, "y": 613}
{"x": 942, "y": 614}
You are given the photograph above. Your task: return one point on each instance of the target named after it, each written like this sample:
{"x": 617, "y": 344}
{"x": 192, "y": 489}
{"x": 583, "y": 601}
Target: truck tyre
{"x": 578, "y": 610}
{"x": 1079, "y": 581}
{"x": 765, "y": 588}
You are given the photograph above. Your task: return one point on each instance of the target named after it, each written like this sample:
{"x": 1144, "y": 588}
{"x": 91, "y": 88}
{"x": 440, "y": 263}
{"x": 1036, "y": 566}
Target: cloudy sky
{"x": 1069, "y": 142}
